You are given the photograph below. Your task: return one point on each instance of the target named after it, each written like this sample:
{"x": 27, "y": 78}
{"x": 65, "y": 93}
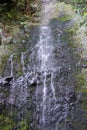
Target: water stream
{"x": 43, "y": 70}
{"x": 44, "y": 93}
{"x": 22, "y": 62}
{"x": 45, "y": 52}
{"x": 11, "y": 65}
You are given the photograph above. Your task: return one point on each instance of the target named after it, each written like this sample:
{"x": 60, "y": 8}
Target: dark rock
{"x": 5, "y": 81}
{"x": 84, "y": 66}
{"x": 8, "y": 79}
{"x": 6, "y": 1}
{"x": 1, "y": 81}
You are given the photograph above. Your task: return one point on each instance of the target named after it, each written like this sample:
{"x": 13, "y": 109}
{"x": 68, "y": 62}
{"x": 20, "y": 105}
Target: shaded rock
{"x": 8, "y": 79}
{"x": 5, "y": 81}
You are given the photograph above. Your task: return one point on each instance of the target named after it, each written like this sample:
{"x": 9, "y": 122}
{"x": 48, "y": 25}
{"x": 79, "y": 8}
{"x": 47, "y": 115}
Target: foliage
{"x": 79, "y": 5}
{"x": 5, "y": 123}
{"x": 17, "y": 8}
{"x": 23, "y": 124}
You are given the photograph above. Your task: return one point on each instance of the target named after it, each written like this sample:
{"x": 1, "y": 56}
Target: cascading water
{"x": 44, "y": 93}
{"x": 11, "y": 65}
{"x": 44, "y": 98}
{"x": 45, "y": 72}
{"x": 44, "y": 53}
{"x": 52, "y": 87}
{"x": 22, "y": 62}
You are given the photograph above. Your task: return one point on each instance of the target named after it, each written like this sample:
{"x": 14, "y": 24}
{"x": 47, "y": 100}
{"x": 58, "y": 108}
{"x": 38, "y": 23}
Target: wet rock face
{"x": 5, "y": 84}
{"x": 38, "y": 88}
{"x": 44, "y": 100}
{"x": 28, "y": 96}
{"x": 47, "y": 96}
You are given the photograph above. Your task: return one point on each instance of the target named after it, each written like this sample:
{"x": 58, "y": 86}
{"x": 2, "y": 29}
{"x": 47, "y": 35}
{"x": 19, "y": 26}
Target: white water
{"x": 47, "y": 10}
{"x": 45, "y": 51}
{"x": 44, "y": 98}
{"x": 44, "y": 54}
{"x": 22, "y": 62}
{"x": 11, "y": 64}
{"x": 52, "y": 87}
{"x": 12, "y": 91}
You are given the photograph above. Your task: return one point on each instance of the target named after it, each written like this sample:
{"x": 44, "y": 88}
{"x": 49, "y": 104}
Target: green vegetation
{"x": 18, "y": 9}
{"x": 3, "y": 63}
{"x": 64, "y": 18}
{"x": 79, "y": 5}
{"x": 16, "y": 17}
{"x": 6, "y": 123}
{"x": 22, "y": 125}
{"x": 80, "y": 81}
{"x": 9, "y": 119}
{"x": 17, "y": 65}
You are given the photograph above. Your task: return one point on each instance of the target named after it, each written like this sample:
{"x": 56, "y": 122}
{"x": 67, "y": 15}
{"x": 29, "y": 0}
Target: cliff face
{"x": 43, "y": 72}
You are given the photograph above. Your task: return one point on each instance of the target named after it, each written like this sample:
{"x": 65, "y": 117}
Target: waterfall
{"x": 52, "y": 86}
{"x": 45, "y": 47}
{"x": 11, "y": 64}
{"x": 43, "y": 93}
{"x": 44, "y": 98}
{"x": 44, "y": 54}
{"x": 22, "y": 62}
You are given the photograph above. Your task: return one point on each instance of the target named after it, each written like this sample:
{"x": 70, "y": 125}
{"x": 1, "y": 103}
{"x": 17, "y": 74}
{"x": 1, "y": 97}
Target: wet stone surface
{"x": 42, "y": 96}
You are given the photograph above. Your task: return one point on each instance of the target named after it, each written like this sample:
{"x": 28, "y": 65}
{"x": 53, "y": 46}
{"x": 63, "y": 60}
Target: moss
{"x": 64, "y": 18}
{"x": 23, "y": 125}
{"x": 80, "y": 81}
{"x": 9, "y": 49}
{"x": 4, "y": 59}
{"x": 5, "y": 123}
{"x": 79, "y": 125}
{"x": 84, "y": 90}
{"x": 72, "y": 30}
{"x": 17, "y": 65}
{"x": 29, "y": 113}
{"x": 84, "y": 62}
{"x": 9, "y": 119}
